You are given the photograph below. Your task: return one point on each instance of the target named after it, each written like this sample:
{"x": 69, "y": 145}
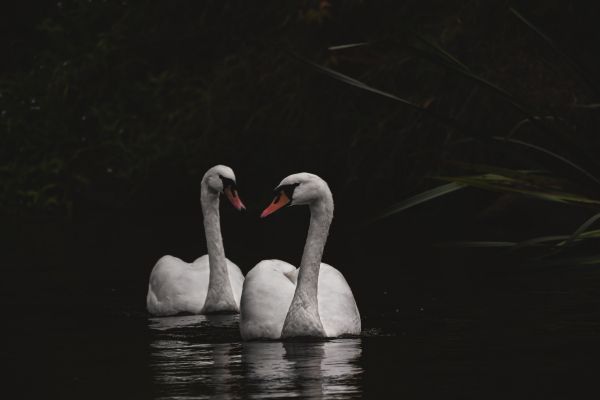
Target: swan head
{"x": 221, "y": 179}
{"x": 298, "y": 189}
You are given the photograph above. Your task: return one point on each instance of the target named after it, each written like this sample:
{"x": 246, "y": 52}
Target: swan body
{"x": 180, "y": 287}
{"x": 268, "y": 292}
{"x": 212, "y": 283}
{"x": 281, "y": 301}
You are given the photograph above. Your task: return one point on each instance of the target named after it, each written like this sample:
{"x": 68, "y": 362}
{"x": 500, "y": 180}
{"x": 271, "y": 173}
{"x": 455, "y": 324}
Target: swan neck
{"x": 219, "y": 293}
{"x": 303, "y": 315}
{"x": 320, "y": 219}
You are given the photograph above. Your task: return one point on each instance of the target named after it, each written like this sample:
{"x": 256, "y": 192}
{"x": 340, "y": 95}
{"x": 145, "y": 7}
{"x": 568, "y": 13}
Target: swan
{"x": 280, "y": 301}
{"x": 212, "y": 283}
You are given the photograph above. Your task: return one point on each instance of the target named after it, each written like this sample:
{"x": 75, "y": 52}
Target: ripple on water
{"x": 203, "y": 357}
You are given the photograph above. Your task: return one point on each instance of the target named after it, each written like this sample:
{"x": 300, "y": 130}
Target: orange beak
{"x": 234, "y": 198}
{"x": 279, "y": 201}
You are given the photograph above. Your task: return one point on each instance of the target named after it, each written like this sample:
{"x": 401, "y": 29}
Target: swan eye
{"x": 280, "y": 200}
{"x": 288, "y": 190}
{"x": 228, "y": 183}
{"x": 230, "y": 190}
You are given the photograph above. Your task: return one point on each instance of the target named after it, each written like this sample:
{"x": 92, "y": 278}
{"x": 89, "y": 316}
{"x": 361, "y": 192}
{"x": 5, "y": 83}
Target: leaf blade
{"x": 418, "y": 199}
{"x": 498, "y": 183}
{"x": 448, "y": 121}
{"x": 589, "y": 222}
{"x": 347, "y": 46}
{"x": 548, "y": 152}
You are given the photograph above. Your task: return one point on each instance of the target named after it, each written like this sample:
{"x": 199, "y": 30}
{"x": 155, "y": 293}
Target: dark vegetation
{"x": 117, "y": 108}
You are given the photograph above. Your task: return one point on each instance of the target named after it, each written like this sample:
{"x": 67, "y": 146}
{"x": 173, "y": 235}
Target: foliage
{"x": 554, "y": 124}
{"x": 108, "y": 103}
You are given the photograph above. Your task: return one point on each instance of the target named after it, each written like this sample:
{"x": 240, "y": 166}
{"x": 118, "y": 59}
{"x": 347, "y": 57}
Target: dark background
{"x": 111, "y": 112}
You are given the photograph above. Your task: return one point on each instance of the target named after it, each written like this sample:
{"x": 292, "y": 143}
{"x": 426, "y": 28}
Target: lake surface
{"x": 201, "y": 357}
{"x": 545, "y": 350}
{"x": 74, "y": 326}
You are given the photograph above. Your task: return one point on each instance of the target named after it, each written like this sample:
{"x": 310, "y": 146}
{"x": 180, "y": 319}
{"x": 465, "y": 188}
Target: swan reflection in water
{"x": 192, "y": 356}
{"x": 201, "y": 356}
{"x": 306, "y": 369}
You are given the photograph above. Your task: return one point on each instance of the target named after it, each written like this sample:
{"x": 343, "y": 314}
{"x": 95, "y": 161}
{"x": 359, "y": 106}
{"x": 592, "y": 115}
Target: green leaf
{"x": 582, "y": 229}
{"x": 524, "y": 174}
{"x": 448, "y": 121}
{"x": 593, "y": 234}
{"x": 439, "y": 56}
{"x": 548, "y": 152}
{"x": 419, "y": 198}
{"x": 570, "y": 261}
{"x": 476, "y": 243}
{"x": 499, "y": 183}
{"x": 538, "y": 241}
{"x": 347, "y": 46}
{"x": 440, "y": 51}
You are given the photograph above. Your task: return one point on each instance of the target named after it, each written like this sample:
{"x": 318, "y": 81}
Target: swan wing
{"x": 266, "y": 297}
{"x": 337, "y": 307}
{"x": 176, "y": 286}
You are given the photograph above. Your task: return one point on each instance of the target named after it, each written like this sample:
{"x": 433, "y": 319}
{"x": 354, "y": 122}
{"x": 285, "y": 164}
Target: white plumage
{"x": 212, "y": 283}
{"x": 280, "y": 301}
{"x": 179, "y": 287}
{"x": 268, "y": 291}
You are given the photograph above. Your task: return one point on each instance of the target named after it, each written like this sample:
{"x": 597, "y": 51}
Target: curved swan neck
{"x": 219, "y": 296}
{"x": 321, "y": 215}
{"x": 303, "y": 315}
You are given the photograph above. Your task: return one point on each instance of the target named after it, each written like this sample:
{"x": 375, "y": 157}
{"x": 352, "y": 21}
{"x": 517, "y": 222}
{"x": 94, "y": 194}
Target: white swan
{"x": 280, "y": 301}
{"x": 212, "y": 283}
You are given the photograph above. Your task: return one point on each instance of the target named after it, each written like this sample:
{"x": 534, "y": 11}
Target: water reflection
{"x": 187, "y": 359}
{"x": 306, "y": 369}
{"x": 203, "y": 357}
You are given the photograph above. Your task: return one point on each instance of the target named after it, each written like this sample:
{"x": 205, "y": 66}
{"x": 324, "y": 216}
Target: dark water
{"x": 196, "y": 357}
{"x": 201, "y": 357}
{"x": 74, "y": 326}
